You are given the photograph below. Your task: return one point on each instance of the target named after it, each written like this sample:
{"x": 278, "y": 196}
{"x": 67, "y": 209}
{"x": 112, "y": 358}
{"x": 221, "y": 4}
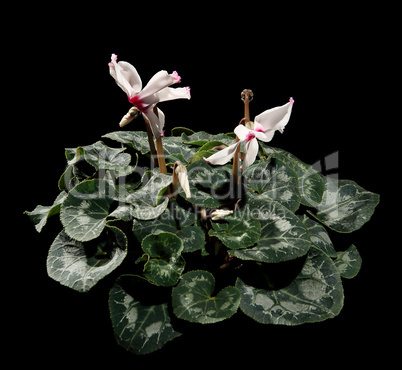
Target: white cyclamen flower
{"x": 265, "y": 125}
{"x": 145, "y": 99}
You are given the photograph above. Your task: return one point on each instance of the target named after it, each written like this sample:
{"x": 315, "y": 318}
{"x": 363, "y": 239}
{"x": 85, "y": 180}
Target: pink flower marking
{"x": 188, "y": 90}
{"x": 176, "y": 76}
{"x": 206, "y": 160}
{"x": 250, "y": 136}
{"x": 258, "y": 127}
{"x": 291, "y": 101}
{"x": 136, "y": 101}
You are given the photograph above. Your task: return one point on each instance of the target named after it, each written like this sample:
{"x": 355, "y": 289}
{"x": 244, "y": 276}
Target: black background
{"x": 337, "y": 65}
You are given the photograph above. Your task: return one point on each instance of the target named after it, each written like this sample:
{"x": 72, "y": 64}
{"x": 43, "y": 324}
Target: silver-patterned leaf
{"x": 315, "y": 295}
{"x": 349, "y": 262}
{"x": 283, "y": 236}
{"x": 138, "y": 328}
{"x": 345, "y": 206}
{"x": 85, "y": 209}
{"x": 193, "y": 301}
{"x": 79, "y": 267}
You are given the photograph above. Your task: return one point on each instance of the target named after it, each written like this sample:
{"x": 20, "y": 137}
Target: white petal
{"x": 171, "y": 94}
{"x": 224, "y": 155}
{"x": 251, "y": 151}
{"x": 275, "y": 118}
{"x": 126, "y": 76}
{"x": 241, "y": 131}
{"x": 158, "y": 82}
{"x": 155, "y": 122}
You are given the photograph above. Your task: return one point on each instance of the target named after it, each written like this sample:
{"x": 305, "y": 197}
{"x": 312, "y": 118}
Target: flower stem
{"x": 151, "y": 140}
{"x": 161, "y": 156}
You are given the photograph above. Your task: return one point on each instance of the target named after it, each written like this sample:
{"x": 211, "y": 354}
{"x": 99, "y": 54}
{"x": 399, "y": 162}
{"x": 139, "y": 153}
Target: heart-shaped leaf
{"x": 139, "y": 328}
{"x": 311, "y": 184}
{"x": 283, "y": 236}
{"x": 176, "y": 220}
{"x": 165, "y": 264}
{"x": 345, "y": 206}
{"x": 85, "y": 209}
{"x": 349, "y": 262}
{"x": 237, "y": 232}
{"x": 81, "y": 265}
{"x": 273, "y": 180}
{"x": 315, "y": 295}
{"x": 135, "y": 139}
{"x": 193, "y": 301}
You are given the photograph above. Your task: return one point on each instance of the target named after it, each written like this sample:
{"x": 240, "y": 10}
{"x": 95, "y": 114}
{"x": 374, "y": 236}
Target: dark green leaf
{"x": 201, "y": 138}
{"x": 348, "y": 262}
{"x": 315, "y": 295}
{"x": 237, "y": 231}
{"x": 193, "y": 301}
{"x": 165, "y": 264}
{"x": 345, "y": 206}
{"x": 85, "y": 209}
{"x": 311, "y": 184}
{"x": 271, "y": 179}
{"x": 136, "y": 139}
{"x": 81, "y": 265}
{"x": 138, "y": 328}
{"x": 40, "y": 214}
{"x": 283, "y": 236}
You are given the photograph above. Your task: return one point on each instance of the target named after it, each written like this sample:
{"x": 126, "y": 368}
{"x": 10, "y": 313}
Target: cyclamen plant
{"x": 198, "y": 226}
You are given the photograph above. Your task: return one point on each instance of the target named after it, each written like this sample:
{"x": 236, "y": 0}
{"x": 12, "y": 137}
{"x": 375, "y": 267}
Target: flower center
{"x": 250, "y": 136}
{"x": 136, "y": 101}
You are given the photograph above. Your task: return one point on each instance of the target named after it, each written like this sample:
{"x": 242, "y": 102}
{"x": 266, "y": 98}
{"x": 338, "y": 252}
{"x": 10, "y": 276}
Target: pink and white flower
{"x": 265, "y": 125}
{"x": 145, "y": 99}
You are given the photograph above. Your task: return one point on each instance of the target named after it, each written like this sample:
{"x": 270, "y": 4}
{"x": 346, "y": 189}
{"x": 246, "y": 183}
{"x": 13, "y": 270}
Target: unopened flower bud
{"x": 132, "y": 114}
{"x": 218, "y": 214}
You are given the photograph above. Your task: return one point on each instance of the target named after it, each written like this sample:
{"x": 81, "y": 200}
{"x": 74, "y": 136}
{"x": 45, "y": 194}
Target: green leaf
{"x": 135, "y": 139}
{"x": 40, "y": 214}
{"x": 283, "y": 236}
{"x": 177, "y": 131}
{"x": 174, "y": 149}
{"x": 319, "y": 236}
{"x": 81, "y": 265}
{"x": 273, "y": 180}
{"x": 177, "y": 221}
{"x": 345, "y": 206}
{"x": 209, "y": 186}
{"x": 138, "y": 328}
{"x": 315, "y": 295}
{"x": 311, "y": 184}
{"x": 102, "y": 157}
{"x": 84, "y": 211}
{"x": 202, "y": 137}
{"x": 148, "y": 202}
{"x": 348, "y": 262}
{"x": 237, "y": 231}
{"x": 166, "y": 263}
{"x": 193, "y": 301}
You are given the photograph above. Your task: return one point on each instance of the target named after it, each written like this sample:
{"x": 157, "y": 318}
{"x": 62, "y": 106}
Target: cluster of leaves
{"x": 272, "y": 257}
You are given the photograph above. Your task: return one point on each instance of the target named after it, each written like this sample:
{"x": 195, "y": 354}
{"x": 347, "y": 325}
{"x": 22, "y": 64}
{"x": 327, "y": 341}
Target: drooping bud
{"x": 132, "y": 114}
{"x": 180, "y": 173}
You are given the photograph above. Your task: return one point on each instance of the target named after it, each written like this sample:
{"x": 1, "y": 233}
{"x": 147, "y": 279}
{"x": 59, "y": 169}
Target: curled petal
{"x": 219, "y": 214}
{"x": 224, "y": 155}
{"x": 126, "y": 76}
{"x": 158, "y": 82}
{"x": 274, "y": 119}
{"x": 251, "y": 151}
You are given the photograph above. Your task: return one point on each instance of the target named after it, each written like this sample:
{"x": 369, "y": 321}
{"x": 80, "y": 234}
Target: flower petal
{"x": 251, "y": 151}
{"x": 275, "y": 118}
{"x": 158, "y": 82}
{"x": 156, "y": 122}
{"x": 126, "y": 76}
{"x": 242, "y": 132}
{"x": 224, "y": 155}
